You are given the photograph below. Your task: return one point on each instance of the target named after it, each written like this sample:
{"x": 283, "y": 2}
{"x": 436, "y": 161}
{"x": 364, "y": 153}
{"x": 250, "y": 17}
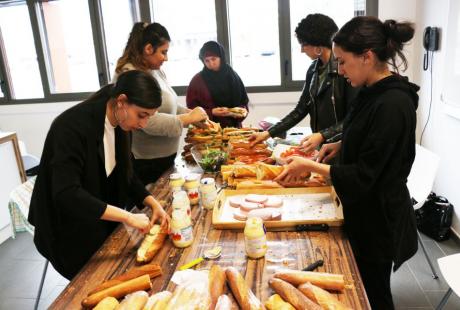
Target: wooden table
{"x": 293, "y": 250}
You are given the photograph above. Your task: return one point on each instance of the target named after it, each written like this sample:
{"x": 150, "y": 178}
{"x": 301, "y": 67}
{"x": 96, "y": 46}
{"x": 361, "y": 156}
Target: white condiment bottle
{"x": 181, "y": 230}
{"x": 208, "y": 193}
{"x": 181, "y": 202}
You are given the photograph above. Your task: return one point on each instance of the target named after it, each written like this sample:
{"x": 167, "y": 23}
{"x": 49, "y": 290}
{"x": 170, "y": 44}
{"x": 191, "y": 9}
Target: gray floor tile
{"x": 449, "y": 247}
{"x": 11, "y": 248}
{"x": 46, "y": 302}
{"x": 16, "y": 304}
{"x": 453, "y": 302}
{"x": 406, "y": 291}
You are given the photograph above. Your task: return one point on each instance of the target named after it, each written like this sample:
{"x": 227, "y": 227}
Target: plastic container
{"x": 255, "y": 238}
{"x": 181, "y": 232}
{"x": 208, "y": 192}
{"x": 181, "y": 203}
{"x": 176, "y": 181}
{"x": 192, "y": 186}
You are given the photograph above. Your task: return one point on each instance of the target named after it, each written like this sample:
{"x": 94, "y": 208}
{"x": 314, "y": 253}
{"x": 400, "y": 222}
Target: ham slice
{"x": 247, "y": 206}
{"x": 256, "y": 198}
{"x": 273, "y": 202}
{"x": 266, "y": 214}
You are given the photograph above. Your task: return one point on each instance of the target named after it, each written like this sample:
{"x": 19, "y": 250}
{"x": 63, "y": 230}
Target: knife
{"x": 312, "y": 227}
{"x": 313, "y": 266}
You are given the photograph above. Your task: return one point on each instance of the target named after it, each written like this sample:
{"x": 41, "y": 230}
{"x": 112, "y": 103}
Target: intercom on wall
{"x": 430, "y": 43}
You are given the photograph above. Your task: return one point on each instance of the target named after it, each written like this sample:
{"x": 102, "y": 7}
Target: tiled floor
{"x": 21, "y": 267}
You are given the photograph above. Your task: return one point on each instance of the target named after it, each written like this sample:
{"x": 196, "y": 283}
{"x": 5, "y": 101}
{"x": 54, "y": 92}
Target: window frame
{"x": 141, "y": 11}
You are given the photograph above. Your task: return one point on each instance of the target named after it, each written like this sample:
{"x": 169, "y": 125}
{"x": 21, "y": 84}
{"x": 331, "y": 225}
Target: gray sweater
{"x": 160, "y": 138}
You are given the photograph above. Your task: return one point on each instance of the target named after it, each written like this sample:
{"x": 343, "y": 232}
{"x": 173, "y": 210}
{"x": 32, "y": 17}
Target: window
{"x": 21, "y": 60}
{"x": 70, "y": 46}
{"x": 339, "y": 10}
{"x": 118, "y": 21}
{"x": 190, "y": 24}
{"x": 254, "y": 41}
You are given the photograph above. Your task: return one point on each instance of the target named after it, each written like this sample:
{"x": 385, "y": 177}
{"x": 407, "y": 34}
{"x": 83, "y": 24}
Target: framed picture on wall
{"x": 450, "y": 96}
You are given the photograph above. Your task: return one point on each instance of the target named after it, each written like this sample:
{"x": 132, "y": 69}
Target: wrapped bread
{"x": 275, "y": 302}
{"x": 108, "y": 303}
{"x": 241, "y": 171}
{"x": 257, "y": 184}
{"x": 188, "y": 298}
{"x": 292, "y": 295}
{"x": 134, "y": 301}
{"x": 152, "y": 270}
{"x": 152, "y": 243}
{"x": 223, "y": 303}
{"x": 158, "y": 301}
{"x": 243, "y": 295}
{"x": 141, "y": 283}
{"x": 322, "y": 297}
{"x": 327, "y": 281}
{"x": 216, "y": 284}
{"x": 268, "y": 172}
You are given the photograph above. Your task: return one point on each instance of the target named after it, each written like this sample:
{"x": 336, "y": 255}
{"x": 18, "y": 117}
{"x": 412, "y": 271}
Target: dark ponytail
{"x": 140, "y": 87}
{"x": 385, "y": 39}
{"x": 141, "y": 35}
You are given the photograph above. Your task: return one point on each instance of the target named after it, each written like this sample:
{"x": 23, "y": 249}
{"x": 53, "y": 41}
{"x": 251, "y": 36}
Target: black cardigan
{"x": 72, "y": 190}
{"x": 378, "y": 149}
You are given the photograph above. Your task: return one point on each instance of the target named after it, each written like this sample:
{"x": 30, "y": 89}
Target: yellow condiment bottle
{"x": 255, "y": 238}
{"x": 176, "y": 181}
{"x": 181, "y": 229}
{"x": 191, "y": 186}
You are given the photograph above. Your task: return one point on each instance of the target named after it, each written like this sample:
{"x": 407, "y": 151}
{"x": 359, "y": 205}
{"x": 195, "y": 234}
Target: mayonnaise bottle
{"x": 181, "y": 230}
{"x": 181, "y": 202}
{"x": 208, "y": 193}
{"x": 255, "y": 239}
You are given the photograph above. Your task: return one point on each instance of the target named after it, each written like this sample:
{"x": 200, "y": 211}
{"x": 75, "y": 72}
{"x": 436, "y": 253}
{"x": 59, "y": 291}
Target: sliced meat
{"x": 256, "y": 198}
{"x": 273, "y": 202}
{"x": 235, "y": 202}
{"x": 240, "y": 215}
{"x": 247, "y": 206}
{"x": 266, "y": 214}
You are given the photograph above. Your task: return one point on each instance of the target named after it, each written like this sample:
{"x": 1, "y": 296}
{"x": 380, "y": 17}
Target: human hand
{"x": 220, "y": 111}
{"x": 311, "y": 142}
{"x": 297, "y": 170}
{"x": 329, "y": 151}
{"x": 197, "y": 114}
{"x": 159, "y": 214}
{"x": 258, "y": 137}
{"x": 139, "y": 221}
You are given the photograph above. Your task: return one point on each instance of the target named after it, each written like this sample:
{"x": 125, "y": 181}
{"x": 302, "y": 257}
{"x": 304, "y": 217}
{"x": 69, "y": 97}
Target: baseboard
{"x": 5, "y": 233}
{"x": 455, "y": 235}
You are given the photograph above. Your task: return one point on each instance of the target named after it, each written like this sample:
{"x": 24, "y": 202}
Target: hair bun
{"x": 399, "y": 32}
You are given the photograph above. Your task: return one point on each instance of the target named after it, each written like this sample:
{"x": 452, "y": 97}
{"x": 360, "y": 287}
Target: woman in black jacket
{"x": 376, "y": 152}
{"x": 325, "y": 95}
{"x": 86, "y": 177}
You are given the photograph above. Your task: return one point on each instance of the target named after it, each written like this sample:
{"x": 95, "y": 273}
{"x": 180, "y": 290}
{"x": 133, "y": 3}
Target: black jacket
{"x": 378, "y": 149}
{"x": 317, "y": 101}
{"x": 72, "y": 190}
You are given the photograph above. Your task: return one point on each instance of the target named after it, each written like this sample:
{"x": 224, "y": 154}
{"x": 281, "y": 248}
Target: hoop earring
{"x": 320, "y": 52}
{"x": 115, "y": 110}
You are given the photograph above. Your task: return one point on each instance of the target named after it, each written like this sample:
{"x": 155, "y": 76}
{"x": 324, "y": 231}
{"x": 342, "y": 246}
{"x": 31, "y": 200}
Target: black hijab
{"x": 225, "y": 86}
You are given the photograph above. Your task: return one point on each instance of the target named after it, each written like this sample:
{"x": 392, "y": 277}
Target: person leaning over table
{"x": 326, "y": 96}
{"x": 376, "y": 152}
{"x": 217, "y": 88}
{"x": 85, "y": 175}
{"x": 155, "y": 146}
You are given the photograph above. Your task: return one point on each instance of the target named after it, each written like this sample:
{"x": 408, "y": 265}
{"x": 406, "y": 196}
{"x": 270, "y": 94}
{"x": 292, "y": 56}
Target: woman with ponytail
{"x": 86, "y": 180}
{"x": 156, "y": 145}
{"x": 376, "y": 152}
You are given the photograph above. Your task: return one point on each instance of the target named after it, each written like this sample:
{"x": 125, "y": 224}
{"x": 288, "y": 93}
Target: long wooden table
{"x": 293, "y": 250}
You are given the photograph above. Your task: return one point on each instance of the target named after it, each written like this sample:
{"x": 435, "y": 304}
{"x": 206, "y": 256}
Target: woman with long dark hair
{"x": 85, "y": 178}
{"x": 376, "y": 152}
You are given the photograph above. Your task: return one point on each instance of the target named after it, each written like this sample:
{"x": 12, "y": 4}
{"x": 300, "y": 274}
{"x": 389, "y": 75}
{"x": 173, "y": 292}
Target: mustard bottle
{"x": 255, "y": 239}
{"x": 181, "y": 232}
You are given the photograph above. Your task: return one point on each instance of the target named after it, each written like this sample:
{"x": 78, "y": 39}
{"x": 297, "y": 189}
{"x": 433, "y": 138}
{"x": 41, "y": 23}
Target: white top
{"x": 109, "y": 146}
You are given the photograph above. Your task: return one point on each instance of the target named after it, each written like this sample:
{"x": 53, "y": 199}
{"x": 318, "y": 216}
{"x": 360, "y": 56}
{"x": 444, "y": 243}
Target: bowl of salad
{"x": 209, "y": 159}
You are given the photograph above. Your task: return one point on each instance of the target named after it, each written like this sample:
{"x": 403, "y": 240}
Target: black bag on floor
{"x": 435, "y": 217}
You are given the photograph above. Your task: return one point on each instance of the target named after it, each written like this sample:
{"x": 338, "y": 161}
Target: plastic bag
{"x": 434, "y": 218}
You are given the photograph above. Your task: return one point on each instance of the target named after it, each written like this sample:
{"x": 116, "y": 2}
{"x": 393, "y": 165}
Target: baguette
{"x": 151, "y": 244}
{"x": 292, "y": 295}
{"x": 137, "y": 284}
{"x": 275, "y": 302}
{"x": 223, "y": 303}
{"x": 243, "y": 295}
{"x": 108, "y": 303}
{"x": 268, "y": 172}
{"x": 241, "y": 171}
{"x": 153, "y": 270}
{"x": 158, "y": 301}
{"x": 134, "y": 301}
{"x": 216, "y": 283}
{"x": 322, "y": 297}
{"x": 257, "y": 184}
{"x": 327, "y": 281}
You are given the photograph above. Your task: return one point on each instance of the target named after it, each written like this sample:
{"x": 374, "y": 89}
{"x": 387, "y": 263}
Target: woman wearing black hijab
{"x": 218, "y": 89}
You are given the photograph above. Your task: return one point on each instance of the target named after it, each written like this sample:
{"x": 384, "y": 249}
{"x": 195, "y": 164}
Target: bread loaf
{"x": 322, "y": 297}
{"x": 241, "y": 171}
{"x": 151, "y": 244}
{"x": 108, "y": 303}
{"x": 257, "y": 184}
{"x": 153, "y": 270}
{"x": 327, "y": 281}
{"x": 268, "y": 172}
{"x": 216, "y": 283}
{"x": 158, "y": 301}
{"x": 292, "y": 295}
{"x": 137, "y": 284}
{"x": 243, "y": 295}
{"x": 134, "y": 301}
{"x": 275, "y": 302}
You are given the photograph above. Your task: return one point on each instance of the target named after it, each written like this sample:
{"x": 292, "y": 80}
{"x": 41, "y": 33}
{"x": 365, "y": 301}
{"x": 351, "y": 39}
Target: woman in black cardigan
{"x": 376, "y": 152}
{"x": 85, "y": 177}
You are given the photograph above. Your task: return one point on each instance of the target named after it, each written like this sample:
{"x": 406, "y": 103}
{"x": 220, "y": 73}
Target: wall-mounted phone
{"x": 430, "y": 43}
